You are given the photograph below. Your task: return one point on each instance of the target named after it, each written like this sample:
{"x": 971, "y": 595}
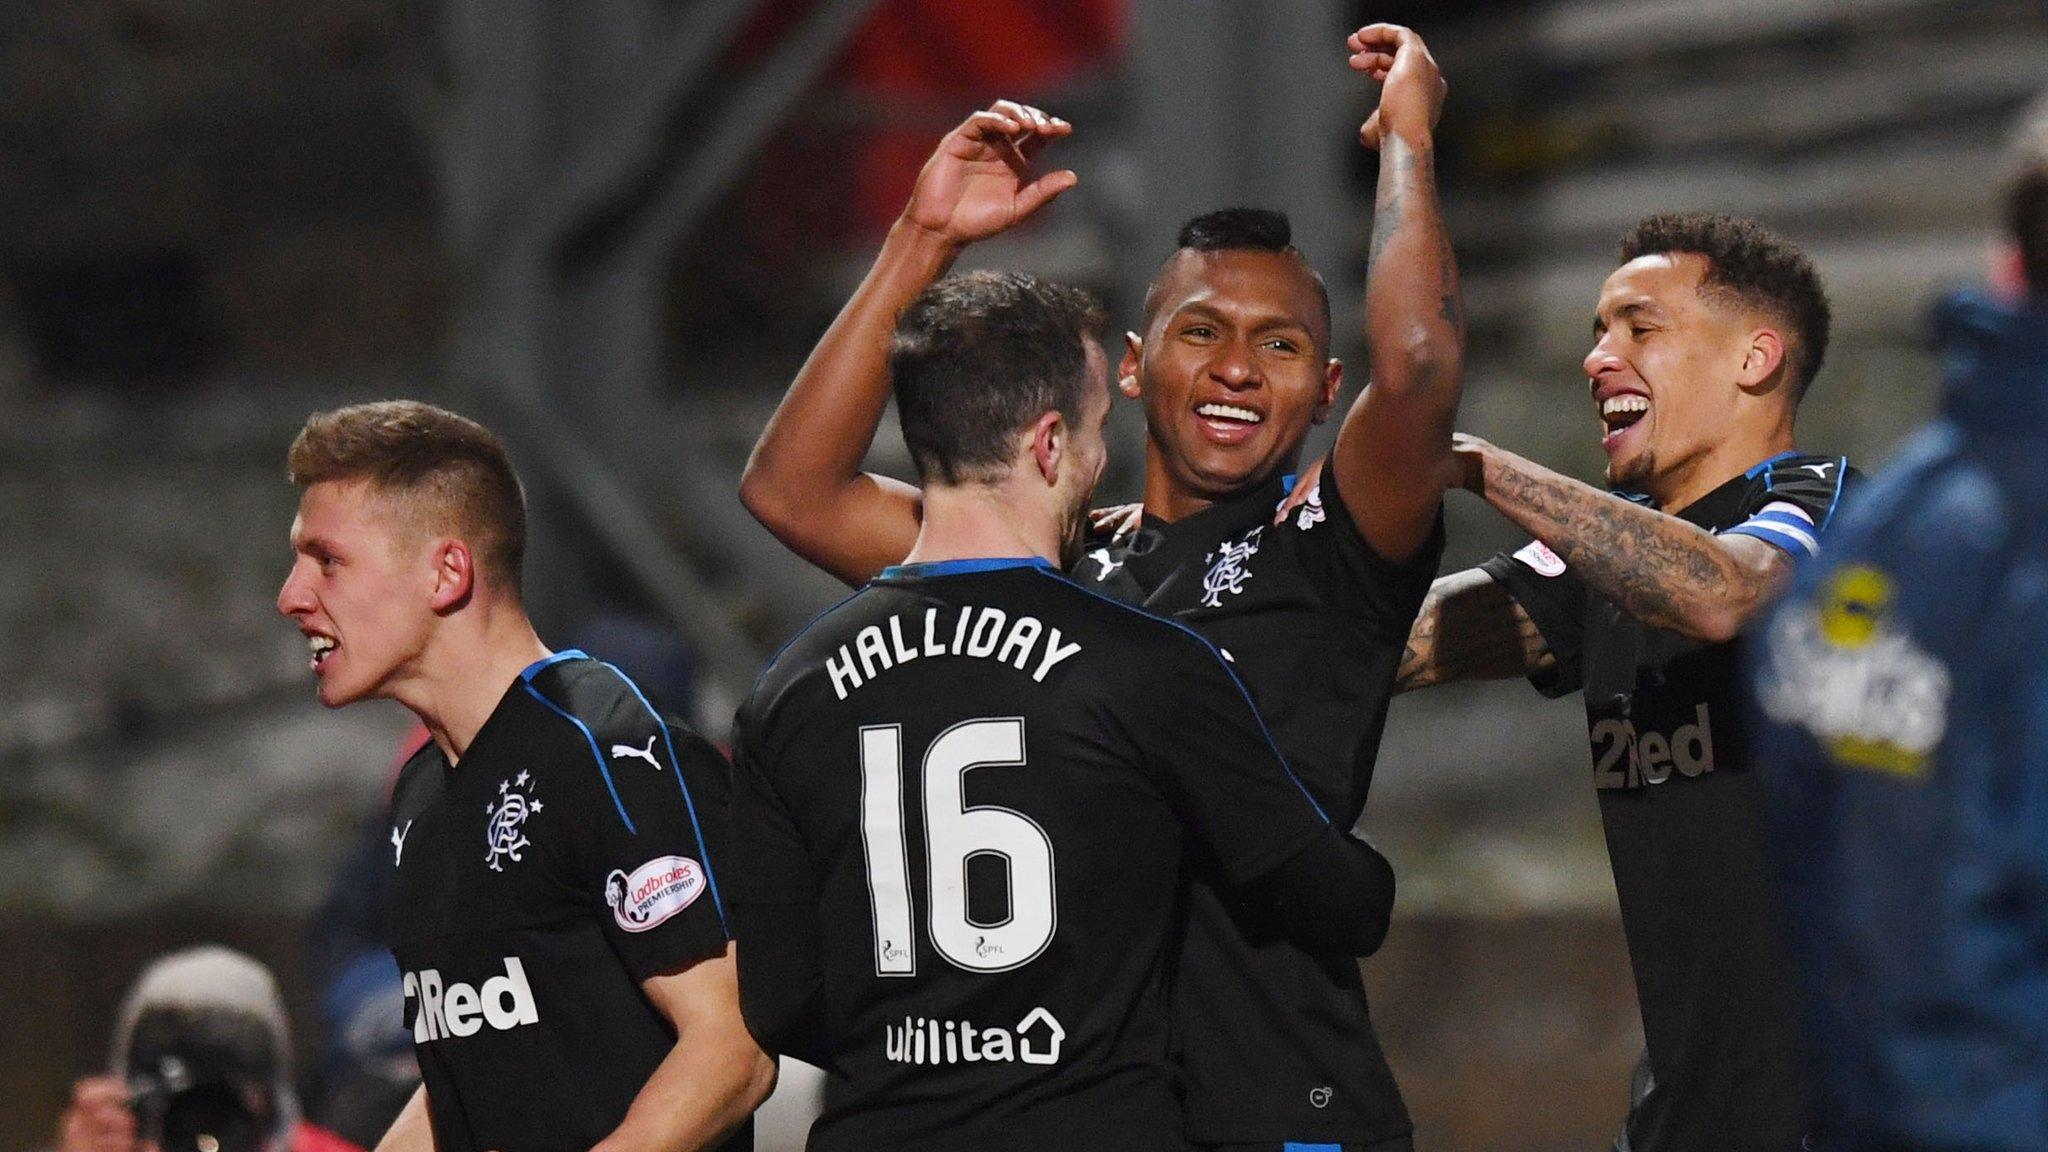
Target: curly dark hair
{"x": 1749, "y": 263}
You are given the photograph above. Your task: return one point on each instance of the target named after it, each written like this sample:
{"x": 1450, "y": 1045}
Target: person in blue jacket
{"x": 1905, "y": 685}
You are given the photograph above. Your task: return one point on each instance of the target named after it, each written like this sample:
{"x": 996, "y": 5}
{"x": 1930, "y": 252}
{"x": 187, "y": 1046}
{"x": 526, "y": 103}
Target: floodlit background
{"x": 611, "y": 229}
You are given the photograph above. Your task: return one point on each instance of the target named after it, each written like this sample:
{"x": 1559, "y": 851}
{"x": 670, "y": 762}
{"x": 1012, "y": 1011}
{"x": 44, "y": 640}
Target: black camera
{"x": 212, "y": 1116}
{"x": 203, "y": 1083}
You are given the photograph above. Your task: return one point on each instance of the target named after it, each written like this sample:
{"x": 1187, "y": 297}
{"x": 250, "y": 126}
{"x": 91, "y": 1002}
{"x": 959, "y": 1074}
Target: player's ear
{"x": 1333, "y": 382}
{"x": 1049, "y": 444}
{"x": 454, "y": 574}
{"x": 1127, "y": 368}
{"x": 1761, "y": 359}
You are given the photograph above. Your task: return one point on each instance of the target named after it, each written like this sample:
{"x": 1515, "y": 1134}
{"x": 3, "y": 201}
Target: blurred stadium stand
{"x": 612, "y": 228}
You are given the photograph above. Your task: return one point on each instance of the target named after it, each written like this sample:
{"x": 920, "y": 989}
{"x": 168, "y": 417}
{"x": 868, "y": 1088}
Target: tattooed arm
{"x": 1664, "y": 571}
{"x": 1392, "y": 459}
{"x": 1470, "y": 628}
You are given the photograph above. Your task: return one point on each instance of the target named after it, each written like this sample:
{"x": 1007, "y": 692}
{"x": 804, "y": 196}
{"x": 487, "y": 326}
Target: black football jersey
{"x": 981, "y": 776}
{"x": 1276, "y": 1042}
{"x": 566, "y": 858}
{"x": 1685, "y": 827}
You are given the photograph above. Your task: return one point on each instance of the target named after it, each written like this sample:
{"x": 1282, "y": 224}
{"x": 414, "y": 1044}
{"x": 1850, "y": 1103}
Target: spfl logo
{"x": 505, "y": 830}
{"x": 1226, "y": 568}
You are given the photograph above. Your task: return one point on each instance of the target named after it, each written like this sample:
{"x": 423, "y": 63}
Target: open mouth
{"x": 322, "y": 647}
{"x": 1619, "y": 413}
{"x": 1228, "y": 423}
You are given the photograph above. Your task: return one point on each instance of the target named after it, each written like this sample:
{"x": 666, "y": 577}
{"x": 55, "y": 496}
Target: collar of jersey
{"x": 961, "y": 567}
{"x": 1765, "y": 465}
{"x": 546, "y": 662}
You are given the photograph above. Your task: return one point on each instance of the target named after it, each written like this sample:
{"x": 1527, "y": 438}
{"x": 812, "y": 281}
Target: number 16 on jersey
{"x": 954, "y": 835}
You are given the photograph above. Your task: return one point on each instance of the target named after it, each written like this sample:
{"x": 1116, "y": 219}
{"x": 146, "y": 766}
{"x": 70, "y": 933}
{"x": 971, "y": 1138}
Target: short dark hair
{"x": 977, "y": 357}
{"x": 1749, "y": 263}
{"x": 2026, "y": 197}
{"x": 454, "y": 469}
{"x": 1237, "y": 230}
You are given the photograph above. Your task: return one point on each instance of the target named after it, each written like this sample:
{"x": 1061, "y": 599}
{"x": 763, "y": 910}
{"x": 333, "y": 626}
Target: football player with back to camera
{"x": 964, "y": 795}
{"x": 1275, "y": 1041}
{"x": 568, "y": 973}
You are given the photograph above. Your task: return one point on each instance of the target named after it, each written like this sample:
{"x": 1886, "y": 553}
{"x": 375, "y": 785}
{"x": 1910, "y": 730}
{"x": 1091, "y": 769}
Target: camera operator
{"x": 201, "y": 1063}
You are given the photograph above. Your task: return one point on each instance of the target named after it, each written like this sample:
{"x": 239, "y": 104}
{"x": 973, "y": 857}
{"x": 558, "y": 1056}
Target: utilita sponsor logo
{"x": 504, "y": 1002}
{"x": 1035, "y": 1040}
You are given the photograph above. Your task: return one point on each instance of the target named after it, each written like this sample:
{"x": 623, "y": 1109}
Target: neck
{"x": 979, "y": 522}
{"x": 1685, "y": 485}
{"x": 1169, "y": 498}
{"x": 466, "y": 669}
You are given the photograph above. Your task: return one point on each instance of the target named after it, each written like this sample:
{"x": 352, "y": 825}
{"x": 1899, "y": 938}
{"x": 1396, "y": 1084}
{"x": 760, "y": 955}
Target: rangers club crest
{"x": 505, "y": 831}
{"x": 1226, "y": 568}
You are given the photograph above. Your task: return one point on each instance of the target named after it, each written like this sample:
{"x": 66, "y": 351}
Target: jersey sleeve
{"x": 1350, "y": 575}
{"x": 775, "y": 914}
{"x": 1218, "y": 766}
{"x": 1555, "y": 601}
{"x": 661, "y": 904}
{"x": 648, "y": 798}
{"x": 1794, "y": 504}
{"x": 1253, "y": 816}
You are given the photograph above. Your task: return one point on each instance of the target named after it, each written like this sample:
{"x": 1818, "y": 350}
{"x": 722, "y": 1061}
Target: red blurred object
{"x": 941, "y": 55}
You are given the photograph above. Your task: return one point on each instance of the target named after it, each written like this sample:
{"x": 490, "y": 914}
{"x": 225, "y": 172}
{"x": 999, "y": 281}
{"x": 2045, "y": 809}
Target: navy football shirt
{"x": 565, "y": 859}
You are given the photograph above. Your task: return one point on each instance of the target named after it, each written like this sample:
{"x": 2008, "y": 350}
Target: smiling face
{"x": 361, "y": 589}
{"x": 1232, "y": 369}
{"x": 1665, "y": 371}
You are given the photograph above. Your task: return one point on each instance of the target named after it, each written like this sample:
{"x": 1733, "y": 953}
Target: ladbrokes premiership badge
{"x": 505, "y": 831}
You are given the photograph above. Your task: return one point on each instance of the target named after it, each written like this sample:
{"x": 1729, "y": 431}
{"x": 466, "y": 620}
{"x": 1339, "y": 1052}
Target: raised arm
{"x": 1392, "y": 458}
{"x": 804, "y": 482}
{"x": 1470, "y": 628}
{"x": 1664, "y": 571}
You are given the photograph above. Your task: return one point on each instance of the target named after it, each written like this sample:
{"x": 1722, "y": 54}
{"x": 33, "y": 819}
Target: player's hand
{"x": 97, "y": 1118}
{"x": 983, "y": 179}
{"x": 1304, "y": 487}
{"x": 1413, "y": 94}
{"x": 1468, "y": 462}
{"x": 1116, "y": 521}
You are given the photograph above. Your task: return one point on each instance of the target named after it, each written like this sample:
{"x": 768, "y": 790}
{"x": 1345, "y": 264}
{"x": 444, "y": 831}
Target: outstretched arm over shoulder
{"x": 1664, "y": 571}
{"x": 804, "y": 481}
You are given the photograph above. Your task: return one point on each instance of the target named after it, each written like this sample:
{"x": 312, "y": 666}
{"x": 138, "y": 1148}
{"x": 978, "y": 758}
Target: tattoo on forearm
{"x": 1387, "y": 209}
{"x": 1644, "y": 561}
{"x": 1471, "y": 631}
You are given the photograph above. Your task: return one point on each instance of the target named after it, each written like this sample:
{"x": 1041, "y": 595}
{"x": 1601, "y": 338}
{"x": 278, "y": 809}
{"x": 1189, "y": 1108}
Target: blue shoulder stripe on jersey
{"x": 1793, "y": 541}
{"x": 590, "y": 738}
{"x": 1227, "y": 670}
{"x": 1765, "y": 466}
{"x": 961, "y": 567}
{"x": 1841, "y": 478}
{"x": 546, "y": 662}
{"x": 689, "y": 805}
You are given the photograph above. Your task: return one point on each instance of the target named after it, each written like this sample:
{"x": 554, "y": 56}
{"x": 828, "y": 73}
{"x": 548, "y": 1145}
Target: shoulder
{"x": 1810, "y": 482}
{"x": 1134, "y": 633}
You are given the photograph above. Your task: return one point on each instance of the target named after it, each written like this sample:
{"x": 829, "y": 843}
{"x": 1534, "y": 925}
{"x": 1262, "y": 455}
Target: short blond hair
{"x": 451, "y": 468}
